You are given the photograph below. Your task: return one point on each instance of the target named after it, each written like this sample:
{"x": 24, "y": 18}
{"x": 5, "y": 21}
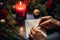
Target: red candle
{"x": 20, "y": 8}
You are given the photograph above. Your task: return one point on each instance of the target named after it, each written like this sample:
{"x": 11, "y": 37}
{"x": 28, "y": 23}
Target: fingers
{"x": 39, "y": 32}
{"x": 33, "y": 32}
{"x": 49, "y": 24}
{"x": 45, "y": 18}
{"x": 31, "y": 35}
{"x": 46, "y": 22}
{"x": 36, "y": 34}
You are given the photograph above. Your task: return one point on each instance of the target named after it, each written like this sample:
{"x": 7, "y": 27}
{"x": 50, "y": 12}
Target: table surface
{"x": 21, "y": 29}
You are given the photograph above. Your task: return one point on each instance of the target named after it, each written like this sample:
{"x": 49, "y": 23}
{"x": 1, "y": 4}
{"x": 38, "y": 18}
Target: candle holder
{"x": 20, "y": 21}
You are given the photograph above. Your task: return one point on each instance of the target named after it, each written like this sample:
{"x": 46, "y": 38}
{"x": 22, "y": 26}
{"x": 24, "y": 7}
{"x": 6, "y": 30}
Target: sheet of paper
{"x": 29, "y": 24}
{"x": 33, "y": 23}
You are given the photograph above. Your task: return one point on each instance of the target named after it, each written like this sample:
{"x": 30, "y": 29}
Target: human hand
{"x": 48, "y": 22}
{"x": 35, "y": 34}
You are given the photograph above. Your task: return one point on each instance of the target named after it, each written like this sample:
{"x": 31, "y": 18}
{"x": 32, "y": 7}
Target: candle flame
{"x": 20, "y": 3}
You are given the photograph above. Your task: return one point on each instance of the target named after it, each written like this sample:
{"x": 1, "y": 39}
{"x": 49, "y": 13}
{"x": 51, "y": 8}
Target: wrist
{"x": 58, "y": 23}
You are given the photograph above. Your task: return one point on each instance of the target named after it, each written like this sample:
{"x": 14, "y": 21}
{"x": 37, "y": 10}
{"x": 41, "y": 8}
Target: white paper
{"x": 31, "y": 23}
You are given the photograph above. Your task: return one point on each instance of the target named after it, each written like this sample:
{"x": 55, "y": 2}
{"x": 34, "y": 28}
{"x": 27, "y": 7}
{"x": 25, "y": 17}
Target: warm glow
{"x": 20, "y": 3}
{"x": 2, "y": 20}
{"x": 20, "y": 6}
{"x": 1, "y": 3}
{"x": 13, "y": 6}
{"x": 21, "y": 30}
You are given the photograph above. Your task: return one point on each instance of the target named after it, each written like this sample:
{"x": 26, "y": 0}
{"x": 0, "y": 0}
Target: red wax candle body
{"x": 20, "y": 8}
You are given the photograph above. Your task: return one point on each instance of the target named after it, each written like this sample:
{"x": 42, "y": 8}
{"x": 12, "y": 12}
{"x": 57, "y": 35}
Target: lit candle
{"x": 20, "y": 8}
